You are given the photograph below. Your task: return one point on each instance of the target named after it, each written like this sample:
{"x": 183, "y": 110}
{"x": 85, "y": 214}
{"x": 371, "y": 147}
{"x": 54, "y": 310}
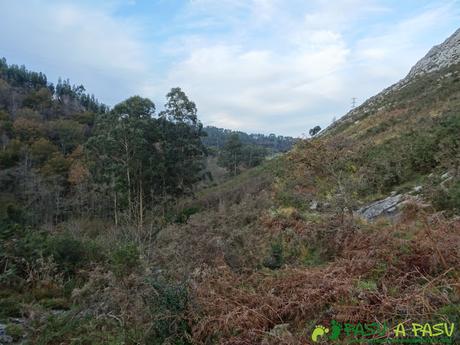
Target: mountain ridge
{"x": 439, "y": 57}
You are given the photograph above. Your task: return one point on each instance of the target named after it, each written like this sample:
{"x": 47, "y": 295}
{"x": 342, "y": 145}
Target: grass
{"x": 10, "y": 307}
{"x": 15, "y": 331}
{"x": 428, "y": 94}
{"x": 367, "y": 285}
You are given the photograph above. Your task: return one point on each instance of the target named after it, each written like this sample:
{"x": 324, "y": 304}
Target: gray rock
{"x": 446, "y": 175}
{"x": 314, "y": 205}
{"x": 391, "y": 210}
{"x": 4, "y": 338}
{"x": 381, "y": 207}
{"x": 418, "y": 189}
{"x": 442, "y": 55}
{"x": 17, "y": 320}
{"x": 281, "y": 331}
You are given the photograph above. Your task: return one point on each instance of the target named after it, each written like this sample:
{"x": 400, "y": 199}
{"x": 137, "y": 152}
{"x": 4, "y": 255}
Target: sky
{"x": 261, "y": 66}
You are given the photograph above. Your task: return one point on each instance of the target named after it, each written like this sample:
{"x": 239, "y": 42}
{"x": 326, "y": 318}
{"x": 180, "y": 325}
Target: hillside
{"x": 430, "y": 89}
{"x": 358, "y": 225}
{"x": 108, "y": 237}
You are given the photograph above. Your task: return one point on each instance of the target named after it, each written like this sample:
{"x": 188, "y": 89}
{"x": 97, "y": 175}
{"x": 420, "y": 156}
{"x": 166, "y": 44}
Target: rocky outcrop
{"x": 385, "y": 207}
{"x": 391, "y": 206}
{"x": 440, "y": 56}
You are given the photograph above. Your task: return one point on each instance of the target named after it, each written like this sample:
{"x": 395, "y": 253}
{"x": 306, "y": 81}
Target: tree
{"x": 120, "y": 153}
{"x": 231, "y": 155}
{"x": 67, "y": 134}
{"x": 325, "y": 168}
{"x": 183, "y": 149}
{"x": 135, "y": 107}
{"x": 315, "y": 130}
{"x": 253, "y": 155}
{"x": 144, "y": 159}
{"x": 41, "y": 150}
{"x": 179, "y": 109}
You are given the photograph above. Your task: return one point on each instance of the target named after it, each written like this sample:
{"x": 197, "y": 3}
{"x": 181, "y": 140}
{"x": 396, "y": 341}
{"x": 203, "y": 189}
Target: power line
{"x": 353, "y": 103}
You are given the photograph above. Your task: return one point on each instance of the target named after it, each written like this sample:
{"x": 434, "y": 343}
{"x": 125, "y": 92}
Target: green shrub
{"x": 72, "y": 329}
{"x": 367, "y": 285}
{"x": 183, "y": 216}
{"x": 448, "y": 199}
{"x": 12, "y": 221}
{"x": 69, "y": 253}
{"x": 55, "y": 303}
{"x": 19, "y": 248}
{"x": 95, "y": 252}
{"x": 125, "y": 259}
{"x": 451, "y": 312}
{"x": 10, "y": 307}
{"x": 15, "y": 331}
{"x": 314, "y": 257}
{"x": 168, "y": 309}
{"x": 276, "y": 258}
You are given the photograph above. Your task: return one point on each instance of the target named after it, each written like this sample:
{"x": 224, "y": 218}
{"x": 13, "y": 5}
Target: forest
{"x": 64, "y": 153}
{"x": 217, "y": 137}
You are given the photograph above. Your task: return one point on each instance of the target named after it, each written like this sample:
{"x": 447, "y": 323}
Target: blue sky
{"x": 279, "y": 66}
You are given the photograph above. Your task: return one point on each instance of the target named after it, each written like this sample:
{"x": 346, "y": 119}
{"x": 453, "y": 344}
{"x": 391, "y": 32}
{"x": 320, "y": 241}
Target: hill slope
{"x": 430, "y": 88}
{"x": 310, "y": 258}
{"x": 267, "y": 255}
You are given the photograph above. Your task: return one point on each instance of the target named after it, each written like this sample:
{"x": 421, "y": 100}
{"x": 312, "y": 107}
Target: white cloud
{"x": 241, "y": 87}
{"x": 256, "y": 65}
{"x": 83, "y": 43}
{"x": 309, "y": 69}
{"x": 383, "y": 57}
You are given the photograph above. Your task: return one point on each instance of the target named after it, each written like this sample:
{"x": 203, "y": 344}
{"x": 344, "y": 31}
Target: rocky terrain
{"x": 440, "y": 56}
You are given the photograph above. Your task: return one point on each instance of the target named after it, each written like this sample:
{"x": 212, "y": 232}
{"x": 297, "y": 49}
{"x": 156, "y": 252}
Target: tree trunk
{"x": 141, "y": 208}
{"x": 115, "y": 213}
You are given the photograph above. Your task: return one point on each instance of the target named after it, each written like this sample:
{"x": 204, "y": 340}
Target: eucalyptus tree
{"x": 183, "y": 149}
{"x": 121, "y": 150}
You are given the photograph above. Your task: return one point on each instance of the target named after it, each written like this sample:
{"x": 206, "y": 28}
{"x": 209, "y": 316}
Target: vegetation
{"x": 315, "y": 130}
{"x": 235, "y": 155}
{"x": 110, "y": 235}
{"x": 217, "y": 137}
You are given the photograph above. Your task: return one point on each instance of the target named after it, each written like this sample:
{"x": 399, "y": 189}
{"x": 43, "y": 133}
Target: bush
{"x": 125, "y": 259}
{"x": 451, "y": 312}
{"x": 12, "y": 221}
{"x": 70, "y": 328}
{"x": 69, "y": 253}
{"x": 9, "y": 307}
{"x": 183, "y": 216}
{"x": 58, "y": 303}
{"x": 25, "y": 248}
{"x": 448, "y": 199}
{"x": 15, "y": 331}
{"x": 168, "y": 309}
{"x": 276, "y": 258}
{"x": 19, "y": 248}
